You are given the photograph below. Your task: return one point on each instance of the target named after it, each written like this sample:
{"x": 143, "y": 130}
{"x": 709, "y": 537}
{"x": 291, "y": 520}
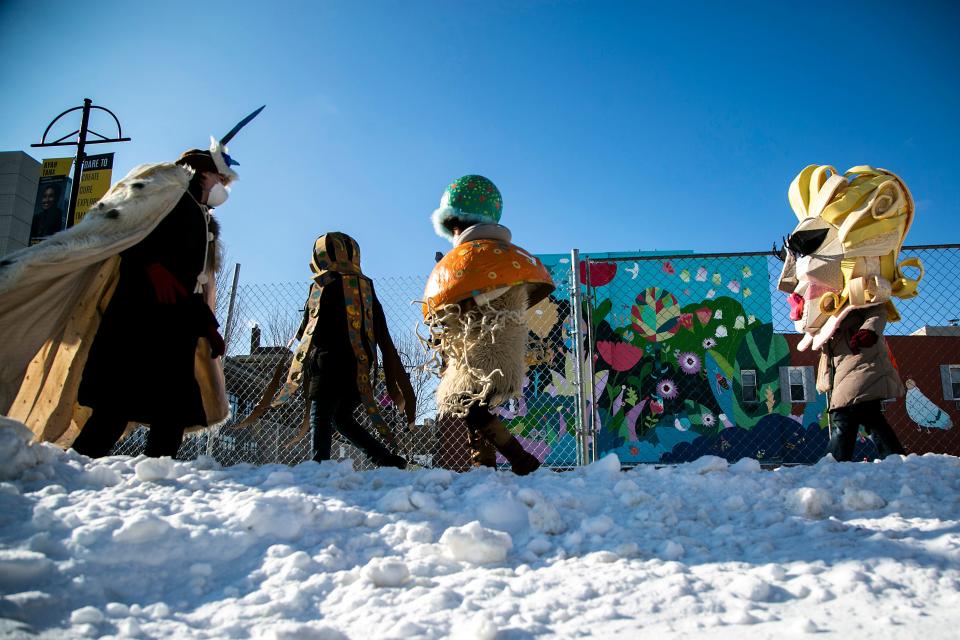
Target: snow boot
{"x": 521, "y": 461}
{"x": 391, "y": 460}
{"x": 482, "y": 451}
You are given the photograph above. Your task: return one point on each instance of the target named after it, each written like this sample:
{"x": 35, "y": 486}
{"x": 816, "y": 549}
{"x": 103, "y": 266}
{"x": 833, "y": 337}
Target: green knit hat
{"x": 470, "y": 199}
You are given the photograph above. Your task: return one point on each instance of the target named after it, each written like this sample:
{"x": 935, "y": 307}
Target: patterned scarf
{"x": 338, "y": 253}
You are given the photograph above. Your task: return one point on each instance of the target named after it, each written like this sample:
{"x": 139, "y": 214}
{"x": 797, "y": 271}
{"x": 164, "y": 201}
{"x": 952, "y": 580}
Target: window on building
{"x": 795, "y": 378}
{"x": 227, "y": 443}
{"x": 950, "y": 378}
{"x": 797, "y": 384}
{"x": 748, "y": 385}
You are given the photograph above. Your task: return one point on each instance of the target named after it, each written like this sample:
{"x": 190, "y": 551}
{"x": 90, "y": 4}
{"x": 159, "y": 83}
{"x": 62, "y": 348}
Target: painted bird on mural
{"x": 633, "y": 271}
{"x": 923, "y": 411}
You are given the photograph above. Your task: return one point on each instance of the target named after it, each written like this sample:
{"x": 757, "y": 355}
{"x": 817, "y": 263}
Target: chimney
{"x": 254, "y": 339}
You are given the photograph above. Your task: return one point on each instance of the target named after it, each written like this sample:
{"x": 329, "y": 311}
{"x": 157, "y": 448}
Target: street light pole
{"x": 81, "y": 143}
{"x": 78, "y": 163}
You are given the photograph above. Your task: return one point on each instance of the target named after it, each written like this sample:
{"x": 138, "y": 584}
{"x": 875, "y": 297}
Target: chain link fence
{"x": 696, "y": 355}
{"x": 258, "y": 327}
{"x": 665, "y": 359}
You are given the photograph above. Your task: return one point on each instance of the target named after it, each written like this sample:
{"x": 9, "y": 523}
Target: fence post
{"x": 591, "y": 451}
{"x": 228, "y": 331}
{"x": 577, "y": 304}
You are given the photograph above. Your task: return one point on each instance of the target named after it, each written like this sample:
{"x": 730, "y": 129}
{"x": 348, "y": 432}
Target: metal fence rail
{"x": 658, "y": 358}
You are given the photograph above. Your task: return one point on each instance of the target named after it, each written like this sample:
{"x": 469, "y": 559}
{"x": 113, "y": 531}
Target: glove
{"x": 166, "y": 287}
{"x": 862, "y": 338}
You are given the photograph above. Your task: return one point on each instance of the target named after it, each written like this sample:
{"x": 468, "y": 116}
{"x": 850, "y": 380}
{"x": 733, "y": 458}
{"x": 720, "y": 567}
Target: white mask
{"x": 217, "y": 196}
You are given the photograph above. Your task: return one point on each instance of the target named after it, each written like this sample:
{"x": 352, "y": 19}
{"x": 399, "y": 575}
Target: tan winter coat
{"x": 854, "y": 378}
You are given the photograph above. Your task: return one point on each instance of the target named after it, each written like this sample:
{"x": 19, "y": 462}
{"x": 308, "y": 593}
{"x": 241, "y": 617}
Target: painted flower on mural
{"x": 601, "y": 273}
{"x": 667, "y": 389}
{"x": 708, "y": 420}
{"x": 634, "y": 451}
{"x": 686, "y": 320}
{"x": 668, "y": 268}
{"x": 656, "y": 407}
{"x": 621, "y": 356}
{"x": 689, "y": 362}
{"x": 542, "y": 317}
{"x": 656, "y": 314}
{"x": 709, "y": 343}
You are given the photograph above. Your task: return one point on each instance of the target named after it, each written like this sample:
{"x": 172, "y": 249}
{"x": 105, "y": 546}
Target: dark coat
{"x": 141, "y": 362}
{"x": 332, "y": 361}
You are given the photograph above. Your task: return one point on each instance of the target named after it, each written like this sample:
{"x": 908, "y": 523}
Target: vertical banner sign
{"x": 51, "y": 204}
{"x": 94, "y": 183}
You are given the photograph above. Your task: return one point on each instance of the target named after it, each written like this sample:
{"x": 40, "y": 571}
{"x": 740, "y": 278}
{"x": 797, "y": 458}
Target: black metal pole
{"x": 78, "y": 163}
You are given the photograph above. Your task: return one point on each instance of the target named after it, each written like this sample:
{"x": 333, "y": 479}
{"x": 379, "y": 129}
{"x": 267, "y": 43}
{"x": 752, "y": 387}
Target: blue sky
{"x": 608, "y": 126}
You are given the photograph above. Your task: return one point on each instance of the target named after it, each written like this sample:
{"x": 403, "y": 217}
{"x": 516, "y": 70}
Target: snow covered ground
{"x": 143, "y": 548}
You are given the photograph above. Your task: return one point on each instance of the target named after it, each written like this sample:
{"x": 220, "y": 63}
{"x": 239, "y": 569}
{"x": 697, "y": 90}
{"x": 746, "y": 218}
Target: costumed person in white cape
{"x": 841, "y": 271}
{"x": 474, "y": 306}
{"x": 111, "y": 322}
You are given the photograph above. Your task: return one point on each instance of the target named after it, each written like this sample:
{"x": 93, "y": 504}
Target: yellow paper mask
{"x": 844, "y": 253}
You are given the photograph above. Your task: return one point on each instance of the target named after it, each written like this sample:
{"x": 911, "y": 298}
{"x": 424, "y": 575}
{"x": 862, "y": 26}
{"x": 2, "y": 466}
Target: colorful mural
{"x": 544, "y": 419}
{"x": 672, "y": 338}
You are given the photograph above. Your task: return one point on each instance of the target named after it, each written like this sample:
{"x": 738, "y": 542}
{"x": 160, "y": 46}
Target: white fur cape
{"x": 53, "y": 294}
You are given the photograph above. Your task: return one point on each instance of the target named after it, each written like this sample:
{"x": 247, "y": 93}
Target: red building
{"x": 928, "y": 419}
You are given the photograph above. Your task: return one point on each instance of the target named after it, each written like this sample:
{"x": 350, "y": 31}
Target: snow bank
{"x": 133, "y": 547}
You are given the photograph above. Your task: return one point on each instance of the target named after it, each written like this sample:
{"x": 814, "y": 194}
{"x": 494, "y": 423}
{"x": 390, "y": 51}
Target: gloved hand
{"x": 165, "y": 286}
{"x": 861, "y": 339}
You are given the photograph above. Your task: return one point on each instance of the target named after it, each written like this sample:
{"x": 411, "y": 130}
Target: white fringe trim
{"x": 480, "y": 354}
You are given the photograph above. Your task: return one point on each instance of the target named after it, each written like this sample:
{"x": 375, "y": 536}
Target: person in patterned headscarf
{"x": 343, "y": 325}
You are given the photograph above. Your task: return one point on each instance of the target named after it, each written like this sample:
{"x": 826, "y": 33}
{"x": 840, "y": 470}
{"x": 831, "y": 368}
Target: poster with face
{"x": 53, "y": 193}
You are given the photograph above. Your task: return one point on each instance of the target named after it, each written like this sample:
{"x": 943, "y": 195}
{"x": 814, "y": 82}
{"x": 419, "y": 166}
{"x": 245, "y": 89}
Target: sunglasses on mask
{"x": 803, "y": 243}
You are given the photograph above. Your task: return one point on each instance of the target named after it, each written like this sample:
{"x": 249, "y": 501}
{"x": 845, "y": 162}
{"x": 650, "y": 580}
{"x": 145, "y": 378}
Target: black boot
{"x": 391, "y": 460}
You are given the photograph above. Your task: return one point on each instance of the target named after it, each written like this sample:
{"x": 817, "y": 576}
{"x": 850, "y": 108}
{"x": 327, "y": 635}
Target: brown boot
{"x": 482, "y": 451}
{"x": 521, "y": 461}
